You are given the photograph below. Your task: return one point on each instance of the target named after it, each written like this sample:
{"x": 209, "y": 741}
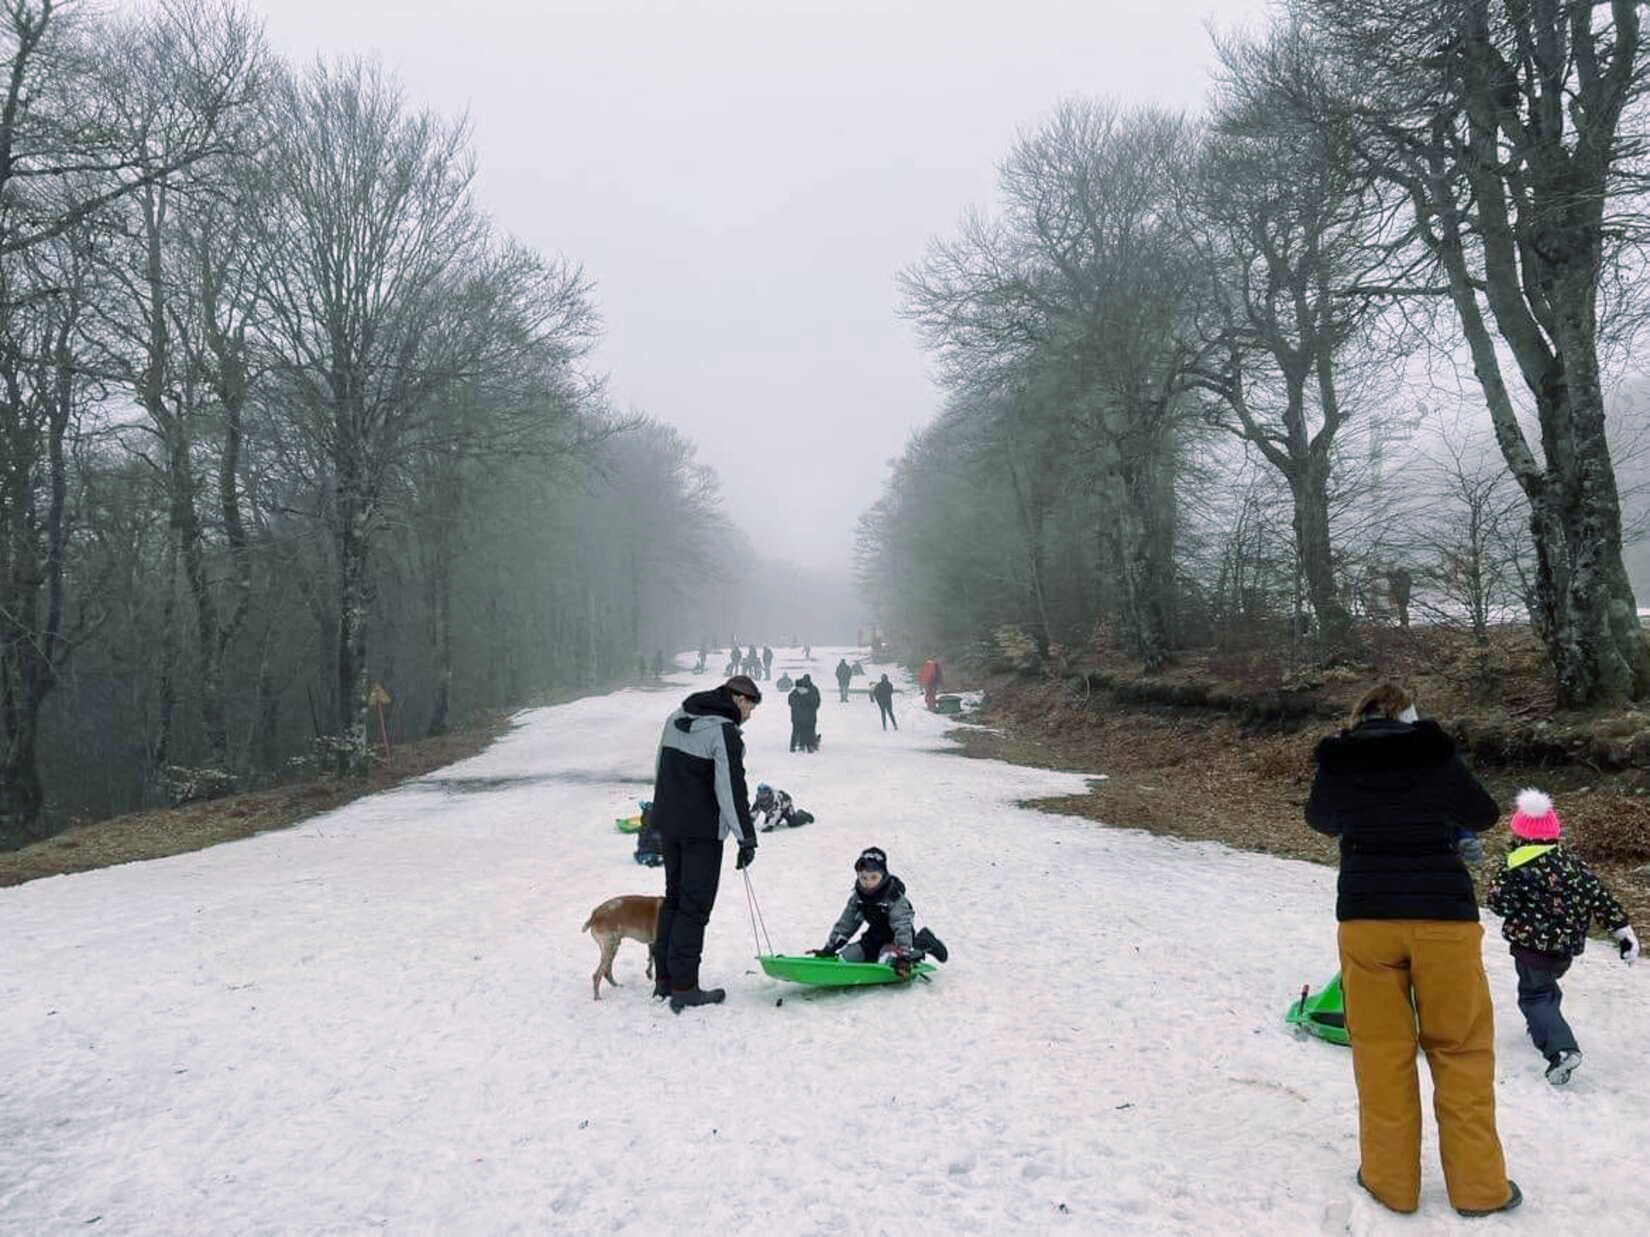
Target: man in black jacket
{"x": 699, "y": 799}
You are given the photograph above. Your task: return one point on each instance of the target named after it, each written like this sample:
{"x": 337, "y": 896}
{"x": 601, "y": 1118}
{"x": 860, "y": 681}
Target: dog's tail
{"x": 588, "y": 922}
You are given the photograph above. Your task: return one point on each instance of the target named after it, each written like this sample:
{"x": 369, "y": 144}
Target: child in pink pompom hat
{"x": 1533, "y": 818}
{"x": 1547, "y": 898}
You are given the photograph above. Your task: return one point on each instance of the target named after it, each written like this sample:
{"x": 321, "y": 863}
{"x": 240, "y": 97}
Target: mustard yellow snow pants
{"x": 1421, "y": 981}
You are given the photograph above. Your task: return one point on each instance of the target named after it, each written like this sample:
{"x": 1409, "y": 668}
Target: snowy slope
{"x": 382, "y": 1019}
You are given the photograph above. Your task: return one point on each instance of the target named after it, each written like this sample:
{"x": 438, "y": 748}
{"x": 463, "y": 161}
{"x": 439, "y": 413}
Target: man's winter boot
{"x": 1403, "y": 1211}
{"x": 683, "y": 997}
{"x": 931, "y": 944}
{"x": 661, "y": 989}
{"x": 1561, "y": 1065}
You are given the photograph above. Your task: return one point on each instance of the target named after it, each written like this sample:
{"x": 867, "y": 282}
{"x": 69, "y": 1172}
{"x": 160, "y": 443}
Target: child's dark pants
{"x": 1539, "y": 999}
{"x": 867, "y": 948}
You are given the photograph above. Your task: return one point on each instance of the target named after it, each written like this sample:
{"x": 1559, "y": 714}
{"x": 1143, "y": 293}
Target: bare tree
{"x": 69, "y": 154}
{"x": 161, "y": 318}
{"x": 1072, "y": 302}
{"x": 1507, "y": 127}
{"x": 373, "y": 235}
{"x": 1289, "y": 223}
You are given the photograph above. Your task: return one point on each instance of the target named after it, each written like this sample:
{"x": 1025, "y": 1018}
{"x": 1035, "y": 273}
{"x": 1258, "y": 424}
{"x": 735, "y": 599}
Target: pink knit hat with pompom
{"x": 1534, "y": 818}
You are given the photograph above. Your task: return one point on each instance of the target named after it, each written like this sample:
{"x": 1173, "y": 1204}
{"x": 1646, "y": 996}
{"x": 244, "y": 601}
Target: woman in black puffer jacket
{"x": 1395, "y": 793}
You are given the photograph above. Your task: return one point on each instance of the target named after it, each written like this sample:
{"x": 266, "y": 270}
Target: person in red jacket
{"x": 929, "y": 679}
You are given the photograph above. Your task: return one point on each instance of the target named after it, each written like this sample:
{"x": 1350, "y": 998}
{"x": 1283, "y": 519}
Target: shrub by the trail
{"x": 1611, "y": 828}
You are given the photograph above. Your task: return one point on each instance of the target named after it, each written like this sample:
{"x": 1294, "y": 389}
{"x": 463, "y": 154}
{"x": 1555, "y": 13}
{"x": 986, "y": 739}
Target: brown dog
{"x": 634, "y": 915}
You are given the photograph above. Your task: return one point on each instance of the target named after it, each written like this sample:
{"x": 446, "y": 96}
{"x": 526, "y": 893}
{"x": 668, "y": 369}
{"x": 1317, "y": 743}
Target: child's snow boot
{"x": 1561, "y": 1065}
{"x": 931, "y": 944}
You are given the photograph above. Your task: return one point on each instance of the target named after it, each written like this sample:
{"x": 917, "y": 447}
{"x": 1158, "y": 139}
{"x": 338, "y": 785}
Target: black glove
{"x": 828, "y": 952}
{"x": 901, "y": 962}
{"x": 747, "y": 852}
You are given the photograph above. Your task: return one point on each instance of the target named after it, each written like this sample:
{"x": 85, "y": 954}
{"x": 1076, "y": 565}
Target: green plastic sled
{"x": 1321, "y": 1013}
{"x": 629, "y": 824}
{"x": 833, "y": 972}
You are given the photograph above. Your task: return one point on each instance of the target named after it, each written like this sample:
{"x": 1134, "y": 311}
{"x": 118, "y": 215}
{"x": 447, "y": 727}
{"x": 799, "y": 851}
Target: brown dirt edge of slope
{"x": 1221, "y": 775}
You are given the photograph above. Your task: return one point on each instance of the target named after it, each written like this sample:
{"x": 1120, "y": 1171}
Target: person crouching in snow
{"x": 775, "y": 809}
{"x": 879, "y": 902}
{"x": 1546, "y": 898}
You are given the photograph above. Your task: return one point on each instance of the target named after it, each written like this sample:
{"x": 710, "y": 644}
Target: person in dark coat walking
{"x": 804, "y": 701}
{"x": 1395, "y": 793}
{"x": 699, "y": 800}
{"x": 844, "y": 676}
{"x": 767, "y": 662}
{"x": 883, "y": 694}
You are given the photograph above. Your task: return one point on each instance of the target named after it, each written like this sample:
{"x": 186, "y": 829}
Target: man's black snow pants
{"x": 693, "y": 866}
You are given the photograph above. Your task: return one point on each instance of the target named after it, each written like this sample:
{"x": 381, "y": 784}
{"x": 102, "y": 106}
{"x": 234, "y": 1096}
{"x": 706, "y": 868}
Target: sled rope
{"x": 759, "y": 927}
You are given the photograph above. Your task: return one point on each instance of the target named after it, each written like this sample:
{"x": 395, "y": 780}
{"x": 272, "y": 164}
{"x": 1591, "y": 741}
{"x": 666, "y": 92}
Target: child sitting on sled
{"x": 1547, "y": 897}
{"x": 879, "y": 902}
{"x": 775, "y": 809}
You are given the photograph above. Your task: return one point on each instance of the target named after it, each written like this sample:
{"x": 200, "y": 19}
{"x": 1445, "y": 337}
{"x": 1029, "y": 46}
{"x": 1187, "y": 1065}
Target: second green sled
{"x": 1321, "y": 1013}
{"x": 835, "y": 973}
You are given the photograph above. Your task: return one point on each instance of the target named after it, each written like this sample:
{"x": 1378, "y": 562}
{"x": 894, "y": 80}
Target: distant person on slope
{"x": 930, "y": 680}
{"x": 883, "y": 694}
{"x": 774, "y": 809}
{"x": 804, "y": 701}
{"x": 844, "y": 676}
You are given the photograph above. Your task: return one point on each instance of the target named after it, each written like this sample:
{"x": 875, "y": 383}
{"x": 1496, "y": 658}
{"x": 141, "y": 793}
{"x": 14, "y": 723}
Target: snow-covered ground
{"x": 382, "y": 1019}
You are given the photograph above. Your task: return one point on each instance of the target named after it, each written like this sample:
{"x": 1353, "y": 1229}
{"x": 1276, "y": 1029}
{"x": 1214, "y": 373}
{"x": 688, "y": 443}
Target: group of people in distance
{"x": 1393, "y": 789}
{"x": 700, "y": 801}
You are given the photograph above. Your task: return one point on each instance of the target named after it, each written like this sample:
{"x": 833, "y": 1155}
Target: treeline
{"x": 1335, "y": 349}
{"x": 284, "y": 420}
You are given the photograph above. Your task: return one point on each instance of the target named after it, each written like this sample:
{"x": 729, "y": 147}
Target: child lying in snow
{"x": 774, "y": 808}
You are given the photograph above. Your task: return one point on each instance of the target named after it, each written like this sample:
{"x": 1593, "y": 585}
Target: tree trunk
{"x": 1309, "y": 487}
{"x": 31, "y": 566}
{"x": 166, "y": 688}
{"x": 441, "y": 632}
{"x": 1145, "y": 576}
{"x": 354, "y": 598}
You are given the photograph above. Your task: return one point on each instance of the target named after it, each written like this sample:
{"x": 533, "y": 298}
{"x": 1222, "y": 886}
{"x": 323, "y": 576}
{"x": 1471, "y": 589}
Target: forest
{"x": 296, "y": 445}
{"x": 1356, "y": 345}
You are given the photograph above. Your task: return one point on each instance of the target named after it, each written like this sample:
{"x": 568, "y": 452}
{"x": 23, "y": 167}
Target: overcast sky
{"x": 744, "y": 178}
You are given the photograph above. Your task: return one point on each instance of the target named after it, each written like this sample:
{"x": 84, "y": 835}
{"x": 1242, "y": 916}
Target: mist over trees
{"x": 289, "y": 428}
{"x": 1337, "y": 351}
